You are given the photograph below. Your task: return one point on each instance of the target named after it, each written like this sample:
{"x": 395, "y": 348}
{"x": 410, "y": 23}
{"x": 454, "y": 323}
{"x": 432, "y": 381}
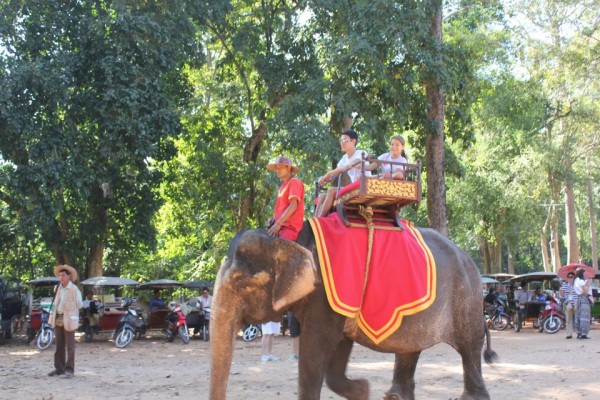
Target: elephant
{"x": 263, "y": 275}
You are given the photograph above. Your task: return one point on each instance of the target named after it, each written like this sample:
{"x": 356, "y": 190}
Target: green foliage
{"x": 90, "y": 97}
{"x": 143, "y": 128}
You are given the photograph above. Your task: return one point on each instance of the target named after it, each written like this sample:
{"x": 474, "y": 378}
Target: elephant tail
{"x": 489, "y": 355}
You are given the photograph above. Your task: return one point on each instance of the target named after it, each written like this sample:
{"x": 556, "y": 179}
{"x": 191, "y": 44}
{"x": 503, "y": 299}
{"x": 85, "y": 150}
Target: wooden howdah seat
{"x": 381, "y": 198}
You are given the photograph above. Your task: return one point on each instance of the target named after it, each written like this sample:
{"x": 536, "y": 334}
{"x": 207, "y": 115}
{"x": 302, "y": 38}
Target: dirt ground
{"x": 532, "y": 365}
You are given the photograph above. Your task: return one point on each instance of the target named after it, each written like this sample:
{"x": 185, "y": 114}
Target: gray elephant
{"x": 264, "y": 275}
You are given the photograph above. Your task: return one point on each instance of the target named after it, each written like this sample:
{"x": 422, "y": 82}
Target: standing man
{"x": 204, "y": 301}
{"x": 287, "y": 221}
{"x": 288, "y": 215}
{"x": 567, "y": 293}
{"x": 522, "y": 298}
{"x": 64, "y": 318}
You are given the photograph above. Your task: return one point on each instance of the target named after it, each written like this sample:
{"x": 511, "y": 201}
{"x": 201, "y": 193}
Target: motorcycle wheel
{"x": 501, "y": 322}
{"x": 205, "y": 332}
{"x": 45, "y": 338}
{"x": 517, "y": 322}
{"x": 552, "y": 324}
{"x": 183, "y": 334}
{"x": 250, "y": 333}
{"x": 124, "y": 337}
{"x": 88, "y": 334}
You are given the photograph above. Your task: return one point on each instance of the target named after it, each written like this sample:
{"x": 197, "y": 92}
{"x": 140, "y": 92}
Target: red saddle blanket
{"x": 401, "y": 277}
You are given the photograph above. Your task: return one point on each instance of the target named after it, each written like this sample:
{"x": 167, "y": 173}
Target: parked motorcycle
{"x": 551, "y": 319}
{"x": 250, "y": 332}
{"x": 206, "y": 324}
{"x": 496, "y": 317}
{"x": 131, "y": 324}
{"x": 45, "y": 335}
{"x": 177, "y": 325}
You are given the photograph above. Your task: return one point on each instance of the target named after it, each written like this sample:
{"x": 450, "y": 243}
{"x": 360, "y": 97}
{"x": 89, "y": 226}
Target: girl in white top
{"x": 396, "y": 154}
{"x": 584, "y": 303}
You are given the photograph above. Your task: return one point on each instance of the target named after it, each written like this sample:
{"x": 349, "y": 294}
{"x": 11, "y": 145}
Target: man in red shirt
{"x": 289, "y": 209}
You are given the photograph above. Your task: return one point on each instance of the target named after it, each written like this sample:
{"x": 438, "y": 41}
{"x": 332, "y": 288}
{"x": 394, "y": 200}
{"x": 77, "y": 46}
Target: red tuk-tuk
{"x": 156, "y": 317}
{"x": 109, "y": 309}
{"x": 41, "y": 293}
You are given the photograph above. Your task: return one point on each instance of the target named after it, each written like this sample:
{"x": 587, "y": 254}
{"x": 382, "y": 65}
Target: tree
{"x": 90, "y": 98}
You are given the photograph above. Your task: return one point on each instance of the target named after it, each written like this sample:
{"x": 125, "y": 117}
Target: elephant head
{"x": 260, "y": 278}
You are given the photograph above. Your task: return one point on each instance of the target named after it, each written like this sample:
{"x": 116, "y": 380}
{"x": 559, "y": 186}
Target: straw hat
{"x": 282, "y": 161}
{"x": 71, "y": 270}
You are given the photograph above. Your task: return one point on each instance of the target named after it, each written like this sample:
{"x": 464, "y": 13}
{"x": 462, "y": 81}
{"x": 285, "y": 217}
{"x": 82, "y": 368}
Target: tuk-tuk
{"x": 198, "y": 318}
{"x": 41, "y": 294}
{"x": 157, "y": 311}
{"x": 533, "y": 311}
{"x": 10, "y": 305}
{"x": 108, "y": 309}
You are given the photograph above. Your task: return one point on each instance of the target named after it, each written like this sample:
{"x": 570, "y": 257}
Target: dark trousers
{"x": 64, "y": 357}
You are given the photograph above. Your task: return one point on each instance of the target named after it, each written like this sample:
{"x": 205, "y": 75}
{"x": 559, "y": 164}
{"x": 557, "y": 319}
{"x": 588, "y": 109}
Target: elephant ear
{"x": 295, "y": 273}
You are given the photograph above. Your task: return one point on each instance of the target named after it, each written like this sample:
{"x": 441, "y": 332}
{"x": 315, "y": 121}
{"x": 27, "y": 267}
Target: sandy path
{"x": 531, "y": 365}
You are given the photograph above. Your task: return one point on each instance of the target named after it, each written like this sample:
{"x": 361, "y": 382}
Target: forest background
{"x": 134, "y": 134}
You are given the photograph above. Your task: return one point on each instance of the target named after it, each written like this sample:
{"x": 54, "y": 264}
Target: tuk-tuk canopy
{"x": 47, "y": 280}
{"x": 198, "y": 284}
{"x": 534, "y": 276}
{"x": 160, "y": 284}
{"x": 109, "y": 281}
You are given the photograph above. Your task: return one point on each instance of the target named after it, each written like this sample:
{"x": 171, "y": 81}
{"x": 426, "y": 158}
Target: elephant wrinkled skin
{"x": 262, "y": 276}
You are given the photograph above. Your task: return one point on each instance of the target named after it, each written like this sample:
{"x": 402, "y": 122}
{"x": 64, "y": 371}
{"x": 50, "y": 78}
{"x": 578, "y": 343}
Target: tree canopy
{"x": 133, "y": 136}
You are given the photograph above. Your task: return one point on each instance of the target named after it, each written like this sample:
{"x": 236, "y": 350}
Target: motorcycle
{"x": 206, "y": 324}
{"x": 551, "y": 319}
{"x": 177, "y": 325}
{"x": 250, "y": 332}
{"x": 496, "y": 317}
{"x": 131, "y": 324}
{"x": 45, "y": 335}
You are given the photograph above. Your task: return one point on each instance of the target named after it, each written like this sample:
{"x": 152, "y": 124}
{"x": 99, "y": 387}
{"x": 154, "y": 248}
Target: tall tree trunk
{"x": 434, "y": 143}
{"x": 544, "y": 242}
{"x": 555, "y": 185}
{"x": 510, "y": 261}
{"x": 99, "y": 219}
{"x": 485, "y": 256}
{"x": 555, "y": 240}
{"x": 592, "y": 216}
{"x": 250, "y": 156}
{"x": 497, "y": 260}
{"x": 571, "y": 223}
{"x": 94, "y": 264}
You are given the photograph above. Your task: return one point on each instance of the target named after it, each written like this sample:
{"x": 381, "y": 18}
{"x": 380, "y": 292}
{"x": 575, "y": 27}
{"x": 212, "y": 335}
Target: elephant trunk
{"x": 224, "y": 326}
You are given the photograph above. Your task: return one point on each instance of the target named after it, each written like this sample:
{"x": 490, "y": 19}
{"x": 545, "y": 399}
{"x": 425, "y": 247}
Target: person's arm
{"x": 78, "y": 299}
{"x": 273, "y": 230}
{"x": 329, "y": 176}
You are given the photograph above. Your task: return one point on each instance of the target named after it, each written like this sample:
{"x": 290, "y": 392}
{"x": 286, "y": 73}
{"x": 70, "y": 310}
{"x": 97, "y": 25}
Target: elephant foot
{"x": 394, "y": 395}
{"x": 352, "y": 389}
{"x": 475, "y": 396}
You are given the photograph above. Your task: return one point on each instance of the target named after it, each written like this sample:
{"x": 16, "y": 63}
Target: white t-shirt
{"x": 388, "y": 157}
{"x": 578, "y": 287}
{"x": 354, "y": 173}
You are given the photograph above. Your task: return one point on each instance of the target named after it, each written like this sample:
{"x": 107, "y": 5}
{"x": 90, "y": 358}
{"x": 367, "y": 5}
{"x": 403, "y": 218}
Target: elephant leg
{"x": 318, "y": 342}
{"x": 403, "y": 384}
{"x": 474, "y": 386}
{"x": 336, "y": 374}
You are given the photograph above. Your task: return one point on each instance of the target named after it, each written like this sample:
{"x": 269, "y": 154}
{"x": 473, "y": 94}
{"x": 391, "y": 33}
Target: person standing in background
{"x": 64, "y": 318}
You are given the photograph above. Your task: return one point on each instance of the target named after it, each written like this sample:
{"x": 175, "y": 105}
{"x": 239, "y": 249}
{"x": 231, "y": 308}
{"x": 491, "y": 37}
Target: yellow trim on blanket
{"x": 407, "y": 309}
{"x": 334, "y": 301}
{"x": 395, "y": 321}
